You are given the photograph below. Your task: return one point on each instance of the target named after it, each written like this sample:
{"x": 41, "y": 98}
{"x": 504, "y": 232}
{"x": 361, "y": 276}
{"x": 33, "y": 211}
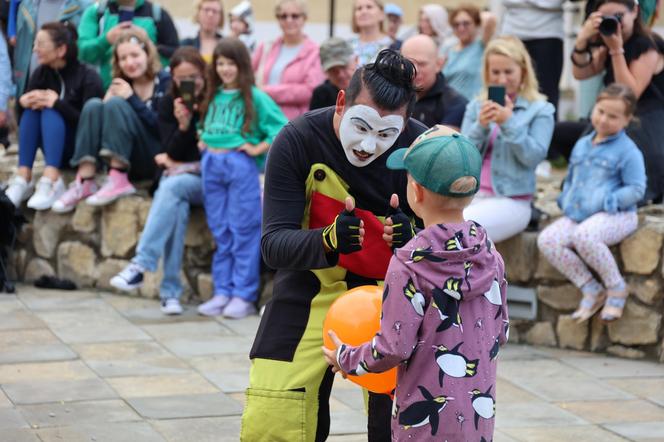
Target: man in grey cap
{"x": 339, "y": 64}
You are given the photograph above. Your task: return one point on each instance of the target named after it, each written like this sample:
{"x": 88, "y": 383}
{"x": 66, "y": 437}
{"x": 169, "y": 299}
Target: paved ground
{"x": 82, "y": 366}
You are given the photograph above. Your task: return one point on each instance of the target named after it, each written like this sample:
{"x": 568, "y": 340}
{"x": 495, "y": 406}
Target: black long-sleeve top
{"x": 180, "y": 146}
{"x": 75, "y": 84}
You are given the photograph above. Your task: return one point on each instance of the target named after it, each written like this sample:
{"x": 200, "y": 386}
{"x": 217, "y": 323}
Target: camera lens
{"x": 609, "y": 25}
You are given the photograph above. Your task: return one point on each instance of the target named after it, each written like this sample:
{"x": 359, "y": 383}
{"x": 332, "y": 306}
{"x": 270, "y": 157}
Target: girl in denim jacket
{"x": 605, "y": 180}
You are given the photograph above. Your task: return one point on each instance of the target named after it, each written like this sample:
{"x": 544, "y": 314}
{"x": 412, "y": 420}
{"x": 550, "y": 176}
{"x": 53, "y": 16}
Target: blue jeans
{"x": 46, "y": 129}
{"x": 231, "y": 193}
{"x": 166, "y": 227}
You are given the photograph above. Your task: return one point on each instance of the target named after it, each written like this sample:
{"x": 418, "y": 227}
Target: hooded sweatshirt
{"x": 444, "y": 319}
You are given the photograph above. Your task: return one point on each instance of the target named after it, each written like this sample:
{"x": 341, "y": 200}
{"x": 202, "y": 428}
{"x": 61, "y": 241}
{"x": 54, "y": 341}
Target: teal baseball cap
{"x": 438, "y": 158}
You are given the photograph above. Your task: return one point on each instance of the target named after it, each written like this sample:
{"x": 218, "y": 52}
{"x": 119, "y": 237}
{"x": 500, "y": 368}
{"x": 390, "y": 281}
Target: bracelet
{"x": 580, "y": 51}
{"x": 617, "y": 52}
{"x": 582, "y": 65}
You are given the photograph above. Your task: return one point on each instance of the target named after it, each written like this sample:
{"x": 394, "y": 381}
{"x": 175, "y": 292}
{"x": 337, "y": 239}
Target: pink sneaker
{"x": 78, "y": 190}
{"x": 117, "y": 185}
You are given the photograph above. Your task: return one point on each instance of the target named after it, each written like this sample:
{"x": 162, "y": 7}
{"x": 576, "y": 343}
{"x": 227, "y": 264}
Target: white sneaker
{"x": 214, "y": 306}
{"x": 171, "y": 306}
{"x": 19, "y": 190}
{"x": 130, "y": 278}
{"x": 47, "y": 193}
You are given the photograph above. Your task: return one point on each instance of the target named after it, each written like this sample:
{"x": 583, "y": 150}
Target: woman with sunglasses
{"x": 289, "y": 69}
{"x": 463, "y": 61}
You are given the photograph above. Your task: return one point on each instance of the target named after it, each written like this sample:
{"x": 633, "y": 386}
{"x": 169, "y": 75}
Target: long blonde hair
{"x": 514, "y": 49}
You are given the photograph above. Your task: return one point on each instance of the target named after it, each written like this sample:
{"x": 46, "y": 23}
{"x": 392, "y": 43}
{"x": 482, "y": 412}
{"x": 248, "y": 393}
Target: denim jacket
{"x": 23, "y": 17}
{"x": 521, "y": 144}
{"x": 607, "y": 177}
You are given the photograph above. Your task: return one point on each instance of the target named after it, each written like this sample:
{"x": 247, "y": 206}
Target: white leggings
{"x": 502, "y": 217}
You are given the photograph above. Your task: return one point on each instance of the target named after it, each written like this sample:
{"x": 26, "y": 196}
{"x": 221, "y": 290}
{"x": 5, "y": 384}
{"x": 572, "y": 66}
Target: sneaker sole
{"x": 64, "y": 210}
{"x": 109, "y": 201}
{"x": 171, "y": 312}
{"x": 121, "y": 284}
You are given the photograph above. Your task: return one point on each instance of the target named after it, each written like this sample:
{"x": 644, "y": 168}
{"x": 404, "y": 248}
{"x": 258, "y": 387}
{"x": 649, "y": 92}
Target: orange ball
{"x": 355, "y": 318}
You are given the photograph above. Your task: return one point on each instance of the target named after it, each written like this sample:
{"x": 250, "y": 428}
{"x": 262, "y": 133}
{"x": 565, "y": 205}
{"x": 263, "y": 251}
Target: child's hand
{"x": 331, "y": 355}
{"x": 202, "y": 146}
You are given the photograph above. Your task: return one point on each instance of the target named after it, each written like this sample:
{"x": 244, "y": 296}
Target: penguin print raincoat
{"x": 444, "y": 319}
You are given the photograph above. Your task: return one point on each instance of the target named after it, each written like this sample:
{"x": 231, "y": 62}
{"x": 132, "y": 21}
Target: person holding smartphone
{"x": 179, "y": 186}
{"x": 512, "y": 125}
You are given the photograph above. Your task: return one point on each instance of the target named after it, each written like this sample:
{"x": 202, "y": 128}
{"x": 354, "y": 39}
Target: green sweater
{"x": 94, "y": 48}
{"x": 222, "y": 128}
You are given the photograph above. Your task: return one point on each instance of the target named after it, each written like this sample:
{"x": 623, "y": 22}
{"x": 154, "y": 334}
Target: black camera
{"x": 609, "y": 24}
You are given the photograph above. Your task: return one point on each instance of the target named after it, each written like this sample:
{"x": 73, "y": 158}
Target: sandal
{"x": 614, "y": 305}
{"x": 590, "y": 304}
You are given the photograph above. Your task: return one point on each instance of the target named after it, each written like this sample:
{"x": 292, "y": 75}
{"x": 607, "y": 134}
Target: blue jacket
{"x": 520, "y": 146}
{"x": 6, "y": 87}
{"x": 22, "y": 25}
{"x": 607, "y": 177}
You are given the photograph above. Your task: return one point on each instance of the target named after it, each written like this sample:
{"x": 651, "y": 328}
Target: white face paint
{"x": 365, "y": 135}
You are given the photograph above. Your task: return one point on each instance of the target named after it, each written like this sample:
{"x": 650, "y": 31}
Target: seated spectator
{"x": 51, "y": 108}
{"x": 539, "y": 25}
{"x": 633, "y": 56}
{"x": 239, "y": 122}
{"x": 433, "y": 21}
{"x": 437, "y": 102}
{"x": 210, "y": 19}
{"x": 242, "y": 24}
{"x": 26, "y": 17}
{"x": 463, "y": 60}
{"x": 288, "y": 69}
{"x": 368, "y": 23}
{"x": 120, "y": 129}
{"x": 179, "y": 187}
{"x": 513, "y": 139}
{"x": 6, "y": 90}
{"x": 103, "y": 23}
{"x": 339, "y": 64}
{"x": 605, "y": 180}
{"x": 393, "y": 20}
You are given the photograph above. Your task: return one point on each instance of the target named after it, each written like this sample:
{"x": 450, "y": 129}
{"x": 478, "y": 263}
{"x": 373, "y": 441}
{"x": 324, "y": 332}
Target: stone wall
{"x": 638, "y": 334}
{"x": 92, "y": 244}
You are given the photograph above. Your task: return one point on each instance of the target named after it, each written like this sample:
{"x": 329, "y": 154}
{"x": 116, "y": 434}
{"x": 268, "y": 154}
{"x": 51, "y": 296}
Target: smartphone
{"x": 497, "y": 94}
{"x": 187, "y": 91}
{"x": 125, "y": 14}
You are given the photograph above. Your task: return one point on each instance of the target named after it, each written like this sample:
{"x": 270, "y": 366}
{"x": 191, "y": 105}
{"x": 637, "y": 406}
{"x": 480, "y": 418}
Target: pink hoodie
{"x": 298, "y": 80}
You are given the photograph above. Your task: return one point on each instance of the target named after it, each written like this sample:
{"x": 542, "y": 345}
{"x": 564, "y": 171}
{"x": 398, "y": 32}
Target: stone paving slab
{"x": 137, "y": 358}
{"x": 189, "y": 329}
{"x": 207, "y": 345}
{"x": 228, "y": 381}
{"x": 4, "y": 400}
{"x": 46, "y": 300}
{"x": 608, "y": 412}
{"x": 228, "y": 361}
{"x": 561, "y": 389}
{"x": 187, "y": 406}
{"x": 534, "y": 414}
{"x": 20, "y": 319}
{"x": 221, "y": 429}
{"x": 77, "y": 413}
{"x": 20, "y": 435}
{"x": 55, "y": 391}
{"x": 85, "y": 326}
{"x": 45, "y": 371}
{"x": 348, "y": 422}
{"x": 32, "y": 345}
{"x": 10, "y": 418}
{"x": 584, "y": 433}
{"x": 102, "y": 432}
{"x": 641, "y": 431}
{"x": 607, "y": 367}
{"x": 161, "y": 385}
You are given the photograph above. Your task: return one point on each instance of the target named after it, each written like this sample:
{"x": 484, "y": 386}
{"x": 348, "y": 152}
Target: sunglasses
{"x": 285, "y": 17}
{"x": 462, "y": 24}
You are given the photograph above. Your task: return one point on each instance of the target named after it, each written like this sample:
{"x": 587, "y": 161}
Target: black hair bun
{"x": 394, "y": 67}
